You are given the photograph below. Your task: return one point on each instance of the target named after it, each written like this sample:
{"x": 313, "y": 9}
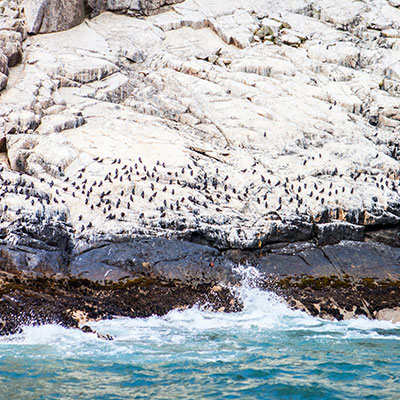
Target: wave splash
{"x": 197, "y": 354}
{"x": 264, "y": 313}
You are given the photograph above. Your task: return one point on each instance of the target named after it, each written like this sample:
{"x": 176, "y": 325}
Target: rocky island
{"x": 149, "y": 147}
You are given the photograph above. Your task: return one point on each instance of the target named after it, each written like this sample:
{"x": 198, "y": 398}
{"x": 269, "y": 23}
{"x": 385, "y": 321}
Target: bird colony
{"x": 236, "y": 123}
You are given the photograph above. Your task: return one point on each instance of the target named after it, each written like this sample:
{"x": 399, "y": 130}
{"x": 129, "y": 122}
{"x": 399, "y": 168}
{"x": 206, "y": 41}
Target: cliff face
{"x": 239, "y": 127}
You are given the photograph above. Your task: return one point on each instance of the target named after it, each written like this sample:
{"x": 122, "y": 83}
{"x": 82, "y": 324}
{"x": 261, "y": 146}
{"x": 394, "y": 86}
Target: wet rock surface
{"x": 26, "y": 300}
{"x": 336, "y": 298}
{"x": 150, "y": 276}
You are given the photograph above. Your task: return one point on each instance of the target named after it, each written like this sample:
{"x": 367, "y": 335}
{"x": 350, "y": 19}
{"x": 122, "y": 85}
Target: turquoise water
{"x": 267, "y": 351}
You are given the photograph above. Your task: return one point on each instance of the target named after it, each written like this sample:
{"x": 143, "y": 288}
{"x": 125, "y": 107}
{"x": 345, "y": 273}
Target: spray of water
{"x": 263, "y": 313}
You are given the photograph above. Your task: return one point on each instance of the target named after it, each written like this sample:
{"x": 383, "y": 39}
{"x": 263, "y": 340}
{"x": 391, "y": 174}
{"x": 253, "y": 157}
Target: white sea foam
{"x": 264, "y": 313}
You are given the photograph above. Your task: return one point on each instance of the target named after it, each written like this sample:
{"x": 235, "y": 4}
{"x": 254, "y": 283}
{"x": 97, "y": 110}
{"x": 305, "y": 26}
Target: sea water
{"x": 266, "y": 351}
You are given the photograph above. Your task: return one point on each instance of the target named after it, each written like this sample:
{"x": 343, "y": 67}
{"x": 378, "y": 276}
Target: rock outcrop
{"x": 174, "y": 127}
{"x": 12, "y": 33}
{"x": 214, "y": 131}
{"x": 43, "y": 16}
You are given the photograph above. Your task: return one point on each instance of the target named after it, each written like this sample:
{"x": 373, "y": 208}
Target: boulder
{"x": 389, "y": 314}
{"x": 11, "y": 46}
{"x": 43, "y": 16}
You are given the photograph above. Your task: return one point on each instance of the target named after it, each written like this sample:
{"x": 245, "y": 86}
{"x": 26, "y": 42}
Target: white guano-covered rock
{"x": 233, "y": 123}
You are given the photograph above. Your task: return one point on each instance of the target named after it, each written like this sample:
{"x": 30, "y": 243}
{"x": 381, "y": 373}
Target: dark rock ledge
{"x": 72, "y": 302}
{"x": 44, "y": 278}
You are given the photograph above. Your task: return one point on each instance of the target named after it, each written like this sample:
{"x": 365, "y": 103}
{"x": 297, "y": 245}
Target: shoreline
{"x": 74, "y": 302}
{"x": 360, "y": 279}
